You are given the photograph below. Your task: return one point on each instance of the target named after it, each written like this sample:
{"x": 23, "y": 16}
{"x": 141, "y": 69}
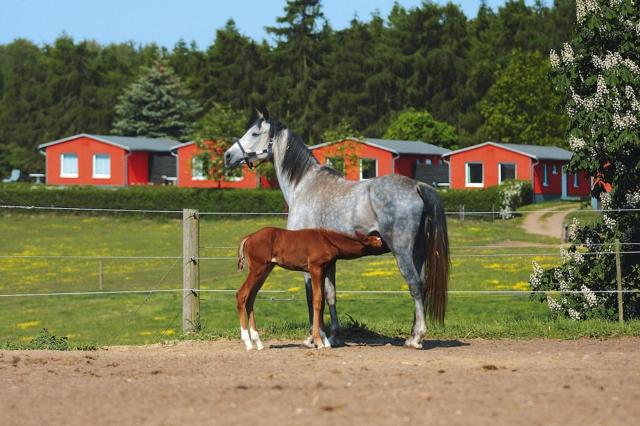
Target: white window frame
{"x": 62, "y": 172}
{"x": 467, "y": 175}
{"x": 203, "y": 175}
{"x": 515, "y": 171}
{"x": 576, "y": 184}
{"x": 428, "y": 161}
{"x": 545, "y": 175}
{"x": 235, "y": 178}
{"x": 554, "y": 169}
{"x": 360, "y": 164}
{"x": 96, "y": 175}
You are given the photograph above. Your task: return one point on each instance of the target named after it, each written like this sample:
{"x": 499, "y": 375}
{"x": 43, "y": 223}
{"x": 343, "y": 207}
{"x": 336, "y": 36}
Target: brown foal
{"x": 307, "y": 250}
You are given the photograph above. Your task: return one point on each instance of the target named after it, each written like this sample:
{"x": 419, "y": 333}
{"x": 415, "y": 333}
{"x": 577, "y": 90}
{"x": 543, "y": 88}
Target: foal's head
{"x": 372, "y": 241}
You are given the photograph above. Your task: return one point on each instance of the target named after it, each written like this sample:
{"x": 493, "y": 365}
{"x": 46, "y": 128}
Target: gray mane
{"x": 297, "y": 159}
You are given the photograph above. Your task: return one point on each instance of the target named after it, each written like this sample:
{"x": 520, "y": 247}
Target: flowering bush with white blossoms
{"x": 599, "y": 73}
{"x": 513, "y": 194}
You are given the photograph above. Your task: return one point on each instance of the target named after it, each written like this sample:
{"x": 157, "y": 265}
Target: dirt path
{"x": 452, "y": 382}
{"x": 542, "y": 223}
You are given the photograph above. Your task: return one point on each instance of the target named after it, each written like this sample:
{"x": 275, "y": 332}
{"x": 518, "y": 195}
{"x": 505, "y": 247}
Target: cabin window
{"x": 102, "y": 166}
{"x": 474, "y": 174}
{"x": 233, "y": 175}
{"x": 575, "y": 180}
{"x": 197, "y": 169}
{"x": 368, "y": 168}
{"x": 427, "y": 161}
{"x": 545, "y": 175}
{"x": 337, "y": 163}
{"x": 506, "y": 171}
{"x": 554, "y": 169}
{"x": 68, "y": 165}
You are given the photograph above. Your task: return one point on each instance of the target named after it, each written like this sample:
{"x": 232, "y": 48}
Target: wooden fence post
{"x": 619, "y": 280}
{"x": 190, "y": 270}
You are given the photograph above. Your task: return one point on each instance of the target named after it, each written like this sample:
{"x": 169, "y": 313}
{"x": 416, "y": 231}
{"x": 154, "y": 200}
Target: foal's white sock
{"x": 255, "y": 338}
{"x": 244, "y": 336}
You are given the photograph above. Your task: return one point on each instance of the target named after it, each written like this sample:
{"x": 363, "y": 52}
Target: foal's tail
{"x": 437, "y": 280}
{"x": 241, "y": 256}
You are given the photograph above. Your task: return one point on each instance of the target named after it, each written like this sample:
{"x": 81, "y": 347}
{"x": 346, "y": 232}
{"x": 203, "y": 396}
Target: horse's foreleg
{"x": 309, "y": 293}
{"x": 253, "y": 329}
{"x": 330, "y": 294}
{"x": 317, "y": 280}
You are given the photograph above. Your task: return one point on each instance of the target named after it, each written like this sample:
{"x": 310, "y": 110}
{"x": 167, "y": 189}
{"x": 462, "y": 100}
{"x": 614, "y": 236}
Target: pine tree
{"x": 156, "y": 105}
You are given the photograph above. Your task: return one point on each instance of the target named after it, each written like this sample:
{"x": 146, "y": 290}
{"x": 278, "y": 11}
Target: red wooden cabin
{"x": 367, "y": 158}
{"x": 108, "y": 160}
{"x": 489, "y": 163}
{"x": 191, "y": 174}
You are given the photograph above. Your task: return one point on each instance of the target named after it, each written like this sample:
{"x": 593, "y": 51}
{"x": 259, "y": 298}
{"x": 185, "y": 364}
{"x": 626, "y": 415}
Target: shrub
{"x": 143, "y": 197}
{"x": 503, "y": 199}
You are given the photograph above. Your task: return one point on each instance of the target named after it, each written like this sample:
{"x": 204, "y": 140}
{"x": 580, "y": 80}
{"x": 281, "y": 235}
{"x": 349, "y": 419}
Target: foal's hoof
{"x": 411, "y": 343}
{"x": 308, "y": 342}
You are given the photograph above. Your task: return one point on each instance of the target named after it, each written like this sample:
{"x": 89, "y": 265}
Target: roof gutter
{"x": 394, "y": 157}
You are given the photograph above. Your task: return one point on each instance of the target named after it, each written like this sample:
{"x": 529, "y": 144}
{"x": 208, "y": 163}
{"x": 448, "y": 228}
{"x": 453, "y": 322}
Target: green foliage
{"x": 429, "y": 57}
{"x": 13, "y": 156}
{"x": 47, "y": 341}
{"x": 522, "y": 106}
{"x": 502, "y": 199}
{"x": 415, "y": 125}
{"x": 215, "y": 133}
{"x": 157, "y": 105}
{"x": 143, "y": 197}
{"x": 513, "y": 194}
{"x": 342, "y": 131}
{"x": 599, "y": 74}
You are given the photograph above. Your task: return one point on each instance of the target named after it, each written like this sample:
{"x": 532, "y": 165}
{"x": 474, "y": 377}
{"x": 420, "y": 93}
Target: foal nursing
{"x": 307, "y": 250}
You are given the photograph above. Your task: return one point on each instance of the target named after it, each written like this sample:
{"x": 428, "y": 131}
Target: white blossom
{"x": 576, "y": 143}
{"x": 554, "y": 59}
{"x": 554, "y": 306}
{"x": 567, "y": 54}
{"x": 573, "y": 228}
{"x": 536, "y": 276}
{"x": 633, "y": 199}
{"x": 612, "y": 60}
{"x": 573, "y": 314}
{"x": 590, "y": 296}
{"x": 583, "y": 7}
{"x": 626, "y": 121}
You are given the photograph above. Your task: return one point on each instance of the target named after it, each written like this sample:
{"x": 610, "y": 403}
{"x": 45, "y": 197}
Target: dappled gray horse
{"x": 407, "y": 214}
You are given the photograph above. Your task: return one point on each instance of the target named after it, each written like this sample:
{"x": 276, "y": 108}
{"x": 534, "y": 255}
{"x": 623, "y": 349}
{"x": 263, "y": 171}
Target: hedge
{"x": 143, "y": 197}
{"x": 209, "y": 200}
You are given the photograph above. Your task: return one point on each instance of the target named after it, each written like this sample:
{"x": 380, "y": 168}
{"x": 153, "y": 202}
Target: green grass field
{"x": 151, "y": 317}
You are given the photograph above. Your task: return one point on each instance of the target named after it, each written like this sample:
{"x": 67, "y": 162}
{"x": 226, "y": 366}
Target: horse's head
{"x": 255, "y": 144}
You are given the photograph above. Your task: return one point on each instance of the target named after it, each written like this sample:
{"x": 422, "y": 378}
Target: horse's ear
{"x": 265, "y": 113}
{"x": 259, "y": 113}
{"x": 361, "y": 236}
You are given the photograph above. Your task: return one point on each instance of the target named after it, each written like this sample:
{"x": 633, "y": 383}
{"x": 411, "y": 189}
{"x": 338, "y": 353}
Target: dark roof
{"x": 537, "y": 152}
{"x": 130, "y": 143}
{"x": 396, "y": 146}
{"x": 540, "y": 152}
{"x": 407, "y": 147}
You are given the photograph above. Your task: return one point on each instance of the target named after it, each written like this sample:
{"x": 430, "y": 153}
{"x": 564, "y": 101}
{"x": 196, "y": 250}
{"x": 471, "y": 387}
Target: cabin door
{"x": 564, "y": 182}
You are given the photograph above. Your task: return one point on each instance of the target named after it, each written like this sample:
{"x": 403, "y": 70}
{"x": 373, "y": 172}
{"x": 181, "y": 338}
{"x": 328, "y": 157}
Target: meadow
{"x": 148, "y": 317}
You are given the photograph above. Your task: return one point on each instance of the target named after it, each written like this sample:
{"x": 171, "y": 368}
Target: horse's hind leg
{"x": 253, "y": 330}
{"x": 416, "y": 283}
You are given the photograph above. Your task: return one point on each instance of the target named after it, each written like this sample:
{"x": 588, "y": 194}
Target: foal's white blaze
{"x": 244, "y": 336}
{"x": 255, "y": 338}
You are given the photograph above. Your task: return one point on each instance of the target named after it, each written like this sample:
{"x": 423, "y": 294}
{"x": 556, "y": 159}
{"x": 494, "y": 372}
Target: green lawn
{"x": 146, "y": 318}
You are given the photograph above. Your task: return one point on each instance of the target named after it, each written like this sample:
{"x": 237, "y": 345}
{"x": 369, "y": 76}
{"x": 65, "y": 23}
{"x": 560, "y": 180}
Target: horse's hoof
{"x": 259, "y": 346}
{"x": 410, "y": 343}
{"x": 334, "y": 341}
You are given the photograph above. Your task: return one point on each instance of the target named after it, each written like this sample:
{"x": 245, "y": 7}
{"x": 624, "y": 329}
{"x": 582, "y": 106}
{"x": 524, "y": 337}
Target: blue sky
{"x": 167, "y": 21}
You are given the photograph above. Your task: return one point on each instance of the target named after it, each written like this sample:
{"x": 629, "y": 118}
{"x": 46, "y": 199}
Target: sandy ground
{"x": 551, "y": 226}
{"x": 583, "y": 382}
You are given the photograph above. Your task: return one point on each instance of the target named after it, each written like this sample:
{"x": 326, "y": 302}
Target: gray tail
{"x": 241, "y": 255}
{"x": 438, "y": 264}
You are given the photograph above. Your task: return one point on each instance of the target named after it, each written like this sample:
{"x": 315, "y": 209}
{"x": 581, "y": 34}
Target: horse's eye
{"x": 255, "y": 134}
